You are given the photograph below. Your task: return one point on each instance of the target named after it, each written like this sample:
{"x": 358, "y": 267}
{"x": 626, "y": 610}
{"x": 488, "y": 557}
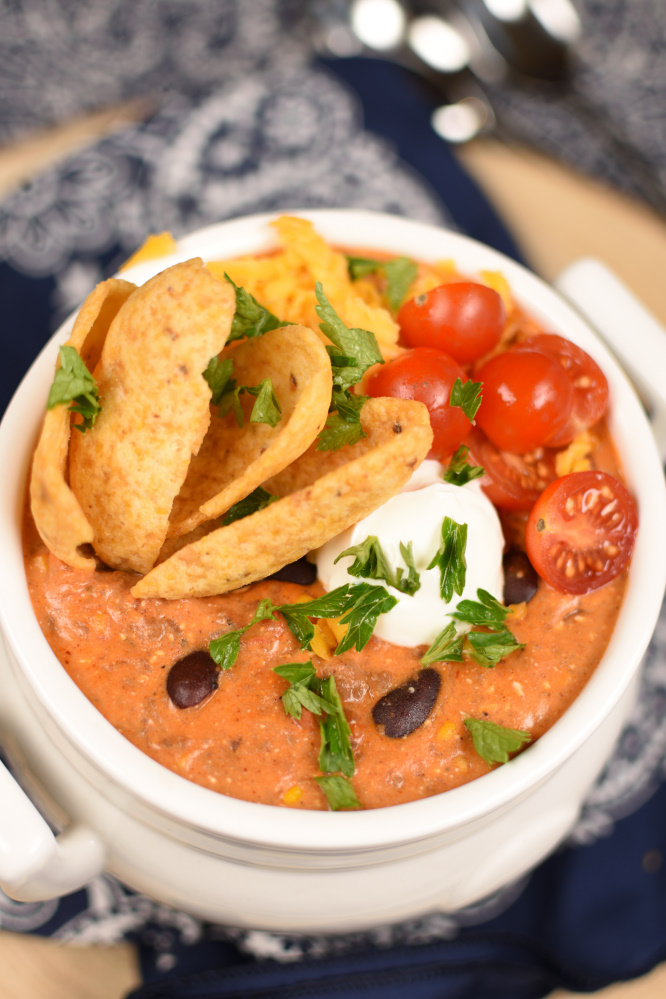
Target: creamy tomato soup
{"x": 217, "y": 688}
{"x": 239, "y": 740}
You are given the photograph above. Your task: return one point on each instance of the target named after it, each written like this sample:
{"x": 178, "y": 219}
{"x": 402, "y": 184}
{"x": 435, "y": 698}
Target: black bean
{"x": 405, "y": 708}
{"x": 520, "y": 580}
{"x": 302, "y": 572}
{"x": 192, "y": 679}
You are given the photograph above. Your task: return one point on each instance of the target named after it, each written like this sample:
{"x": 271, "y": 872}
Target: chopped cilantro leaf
{"x": 365, "y": 604}
{"x": 494, "y": 742}
{"x": 460, "y": 472}
{"x": 339, "y": 792}
{"x": 487, "y": 612}
{"x": 74, "y": 383}
{"x": 224, "y": 650}
{"x": 303, "y": 690}
{"x": 250, "y": 318}
{"x": 266, "y": 409}
{"x": 467, "y": 395}
{"x": 488, "y": 648}
{"x": 218, "y": 374}
{"x": 343, "y": 426}
{"x": 298, "y": 615}
{"x": 258, "y": 499}
{"x": 358, "y": 345}
{"x": 370, "y": 562}
{"x": 335, "y": 752}
{"x": 450, "y": 558}
{"x": 399, "y": 272}
{"x": 447, "y": 647}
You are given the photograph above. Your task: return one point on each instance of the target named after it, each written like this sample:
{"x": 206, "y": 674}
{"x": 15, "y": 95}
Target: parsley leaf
{"x": 487, "y": 612}
{"x": 218, "y": 374}
{"x": 250, "y": 318}
{"x": 366, "y": 603}
{"x": 399, "y": 272}
{"x": 335, "y": 752}
{"x": 450, "y": 558}
{"x": 224, "y": 650}
{"x": 488, "y": 648}
{"x": 320, "y": 697}
{"x": 74, "y": 383}
{"x": 370, "y": 562}
{"x": 359, "y": 606}
{"x": 298, "y": 615}
{"x": 447, "y": 647}
{"x": 258, "y": 499}
{"x": 344, "y": 426}
{"x": 303, "y": 690}
{"x": 467, "y": 396}
{"x": 493, "y": 742}
{"x": 339, "y": 792}
{"x": 266, "y": 409}
{"x": 359, "y": 346}
{"x": 460, "y": 472}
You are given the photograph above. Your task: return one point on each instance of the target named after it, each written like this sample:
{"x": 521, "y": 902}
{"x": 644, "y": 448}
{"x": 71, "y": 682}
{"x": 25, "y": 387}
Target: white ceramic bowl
{"x": 254, "y": 865}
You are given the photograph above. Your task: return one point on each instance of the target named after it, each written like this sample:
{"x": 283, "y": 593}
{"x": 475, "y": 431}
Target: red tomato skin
{"x": 464, "y": 319}
{"x": 512, "y": 482}
{"x": 590, "y": 396}
{"x": 581, "y": 531}
{"x": 527, "y": 399}
{"x": 427, "y": 376}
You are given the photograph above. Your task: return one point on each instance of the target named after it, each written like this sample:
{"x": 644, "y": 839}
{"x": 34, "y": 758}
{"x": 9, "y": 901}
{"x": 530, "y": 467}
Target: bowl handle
{"x": 34, "y": 863}
{"x": 629, "y": 330}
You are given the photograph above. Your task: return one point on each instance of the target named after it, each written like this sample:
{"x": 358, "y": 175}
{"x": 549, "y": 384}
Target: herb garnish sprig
{"x": 321, "y": 697}
{"x": 486, "y": 648}
{"x": 352, "y": 353}
{"x": 74, "y": 383}
{"x": 226, "y": 394}
{"x": 224, "y": 650}
{"x": 466, "y": 395}
{"x": 450, "y": 557}
{"x": 399, "y": 272}
{"x": 494, "y": 742}
{"x": 250, "y": 318}
{"x": 370, "y": 562}
{"x": 459, "y": 471}
{"x": 258, "y": 499}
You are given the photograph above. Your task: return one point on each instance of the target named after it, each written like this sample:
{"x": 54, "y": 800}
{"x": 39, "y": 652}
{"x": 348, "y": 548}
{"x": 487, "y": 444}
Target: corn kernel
{"x": 293, "y": 795}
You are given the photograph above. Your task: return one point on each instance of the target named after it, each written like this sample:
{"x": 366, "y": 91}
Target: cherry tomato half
{"x": 463, "y": 319}
{"x": 590, "y": 395}
{"x": 581, "y": 531}
{"x": 427, "y": 376}
{"x": 512, "y": 481}
{"x": 527, "y": 400}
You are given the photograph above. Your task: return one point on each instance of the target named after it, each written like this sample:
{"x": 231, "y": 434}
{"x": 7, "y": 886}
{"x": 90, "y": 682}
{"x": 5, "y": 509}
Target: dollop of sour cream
{"x": 416, "y": 514}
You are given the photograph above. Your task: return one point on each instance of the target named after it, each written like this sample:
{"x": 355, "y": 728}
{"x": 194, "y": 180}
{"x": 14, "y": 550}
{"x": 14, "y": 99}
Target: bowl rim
{"x": 288, "y": 829}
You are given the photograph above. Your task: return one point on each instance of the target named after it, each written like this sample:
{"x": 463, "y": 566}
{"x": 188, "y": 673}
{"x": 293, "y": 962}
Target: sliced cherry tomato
{"x": 527, "y": 400}
{"x": 464, "y": 319}
{"x": 512, "y": 481}
{"x": 581, "y": 531}
{"x": 427, "y": 376}
{"x": 590, "y": 396}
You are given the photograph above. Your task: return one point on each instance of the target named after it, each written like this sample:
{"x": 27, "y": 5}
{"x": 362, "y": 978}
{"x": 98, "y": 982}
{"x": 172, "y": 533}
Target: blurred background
{"x": 537, "y": 126}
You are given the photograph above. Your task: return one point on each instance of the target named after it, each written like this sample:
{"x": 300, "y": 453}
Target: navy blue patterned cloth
{"x": 247, "y": 120}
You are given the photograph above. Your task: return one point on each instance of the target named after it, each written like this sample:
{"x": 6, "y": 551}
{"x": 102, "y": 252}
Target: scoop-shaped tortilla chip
{"x": 57, "y": 513}
{"x": 235, "y": 460}
{"x": 128, "y": 469}
{"x": 398, "y": 439}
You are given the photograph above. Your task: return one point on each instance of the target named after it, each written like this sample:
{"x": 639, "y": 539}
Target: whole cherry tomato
{"x": 512, "y": 481}
{"x": 581, "y": 531}
{"x": 527, "y": 400}
{"x": 427, "y": 376}
{"x": 590, "y": 395}
{"x": 463, "y": 319}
